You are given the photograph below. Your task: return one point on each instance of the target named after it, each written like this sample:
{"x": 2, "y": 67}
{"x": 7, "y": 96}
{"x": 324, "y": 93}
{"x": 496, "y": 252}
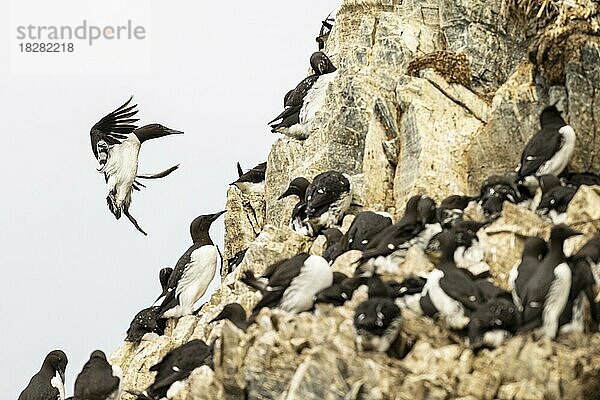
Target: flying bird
{"x": 193, "y": 272}
{"x": 99, "y": 380}
{"x": 116, "y": 141}
{"x": 49, "y": 382}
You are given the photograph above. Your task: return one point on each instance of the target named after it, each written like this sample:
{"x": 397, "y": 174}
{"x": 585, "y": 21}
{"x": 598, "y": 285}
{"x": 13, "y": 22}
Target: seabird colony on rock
{"x": 549, "y": 294}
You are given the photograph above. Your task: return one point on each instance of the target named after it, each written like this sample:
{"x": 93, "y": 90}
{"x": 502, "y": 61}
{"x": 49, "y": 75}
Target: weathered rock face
{"x": 397, "y": 135}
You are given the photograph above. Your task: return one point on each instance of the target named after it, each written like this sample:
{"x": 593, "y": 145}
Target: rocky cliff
{"x": 431, "y": 97}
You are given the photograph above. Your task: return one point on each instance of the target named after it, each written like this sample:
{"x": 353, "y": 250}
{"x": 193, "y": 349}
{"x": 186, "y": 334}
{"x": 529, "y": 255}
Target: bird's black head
{"x": 448, "y": 244}
{"x": 562, "y": 232}
{"x": 338, "y": 277}
{"x": 377, "y": 288}
{"x": 426, "y": 210}
{"x": 466, "y": 231}
{"x": 164, "y": 276}
{"x": 551, "y": 116}
{"x": 98, "y": 354}
{"x": 321, "y": 64}
{"x": 497, "y": 313}
{"x": 56, "y": 361}
{"x": 333, "y": 235}
{"x": 548, "y": 182}
{"x": 456, "y": 202}
{"x": 535, "y": 247}
{"x": 297, "y": 187}
{"x": 154, "y": 131}
{"x": 201, "y": 225}
{"x": 233, "y": 312}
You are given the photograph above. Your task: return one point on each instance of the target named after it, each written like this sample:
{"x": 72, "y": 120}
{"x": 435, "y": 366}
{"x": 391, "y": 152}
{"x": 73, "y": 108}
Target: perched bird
{"x": 302, "y": 102}
{"x": 235, "y": 313}
{"x": 497, "y": 189}
{"x": 550, "y": 149}
{"x": 293, "y": 284}
{"x": 327, "y": 199}
{"x": 146, "y": 321}
{"x": 377, "y": 321}
{"x": 450, "y": 293}
{"x": 252, "y": 181}
{"x": 49, "y": 382}
{"x": 582, "y": 287}
{"x": 193, "y": 272}
{"x": 364, "y": 228}
{"x": 534, "y": 251}
{"x": 340, "y": 292}
{"x": 116, "y": 142}
{"x": 98, "y": 380}
{"x": 298, "y": 188}
{"x": 546, "y": 293}
{"x": 388, "y": 248}
{"x": 175, "y": 368}
{"x": 494, "y": 320}
{"x": 555, "y": 198}
{"x": 326, "y": 27}
{"x": 452, "y": 208}
{"x": 470, "y": 253}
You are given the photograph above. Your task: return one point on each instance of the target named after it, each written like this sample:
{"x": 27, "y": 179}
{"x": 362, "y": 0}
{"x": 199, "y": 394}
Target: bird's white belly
{"x": 450, "y": 310}
{"x": 315, "y": 275}
{"x": 559, "y": 161}
{"x": 556, "y": 299}
{"x": 197, "y": 277}
{"x": 121, "y": 169}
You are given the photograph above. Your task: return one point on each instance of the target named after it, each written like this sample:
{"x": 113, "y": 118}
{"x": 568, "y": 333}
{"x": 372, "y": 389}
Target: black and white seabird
{"x": 326, "y": 27}
{"x": 49, "y": 382}
{"x": 98, "y": 380}
{"x": 146, "y": 321}
{"x": 235, "y": 313}
{"x": 293, "y": 284}
{"x": 534, "y": 251}
{"x": 327, "y": 199}
{"x": 365, "y": 227}
{"x": 116, "y": 143}
{"x": 235, "y": 261}
{"x": 252, "y": 181}
{"x": 298, "y": 188}
{"x": 302, "y": 102}
{"x": 388, "y": 249}
{"x": 550, "y": 149}
{"x": 377, "y": 321}
{"x": 578, "y": 179}
{"x": 545, "y": 294}
{"x": 193, "y": 272}
{"x": 452, "y": 208}
{"x": 175, "y": 368}
{"x": 409, "y": 286}
{"x": 497, "y": 189}
{"x": 583, "y": 286}
{"x": 470, "y": 253}
{"x": 450, "y": 293}
{"x": 493, "y": 321}
{"x": 555, "y": 198}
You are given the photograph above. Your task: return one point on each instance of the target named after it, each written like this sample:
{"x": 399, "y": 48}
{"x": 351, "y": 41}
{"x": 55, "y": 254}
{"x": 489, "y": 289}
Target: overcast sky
{"x": 73, "y": 276}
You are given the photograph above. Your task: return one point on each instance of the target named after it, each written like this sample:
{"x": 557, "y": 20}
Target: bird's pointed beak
{"x": 285, "y": 194}
{"x": 217, "y": 215}
{"x": 217, "y": 318}
{"x": 61, "y": 372}
{"x": 172, "y": 132}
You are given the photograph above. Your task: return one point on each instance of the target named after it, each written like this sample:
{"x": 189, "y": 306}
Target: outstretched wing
{"x": 113, "y": 128}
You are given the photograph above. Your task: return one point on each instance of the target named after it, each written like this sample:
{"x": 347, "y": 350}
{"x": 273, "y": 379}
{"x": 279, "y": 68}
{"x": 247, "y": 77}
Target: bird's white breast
{"x": 198, "y": 275}
{"x": 57, "y": 382}
{"x": 315, "y": 275}
{"x": 450, "y": 310}
{"x": 559, "y": 161}
{"x": 121, "y": 167}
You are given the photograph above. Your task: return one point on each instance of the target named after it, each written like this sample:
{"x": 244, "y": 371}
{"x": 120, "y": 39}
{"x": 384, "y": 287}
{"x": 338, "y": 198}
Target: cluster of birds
{"x": 548, "y": 288}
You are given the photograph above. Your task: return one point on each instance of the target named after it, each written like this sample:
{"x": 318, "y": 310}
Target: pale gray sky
{"x": 74, "y": 277}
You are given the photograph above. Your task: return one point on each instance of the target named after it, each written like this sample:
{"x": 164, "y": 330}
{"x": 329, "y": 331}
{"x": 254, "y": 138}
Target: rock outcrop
{"x": 431, "y": 97}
